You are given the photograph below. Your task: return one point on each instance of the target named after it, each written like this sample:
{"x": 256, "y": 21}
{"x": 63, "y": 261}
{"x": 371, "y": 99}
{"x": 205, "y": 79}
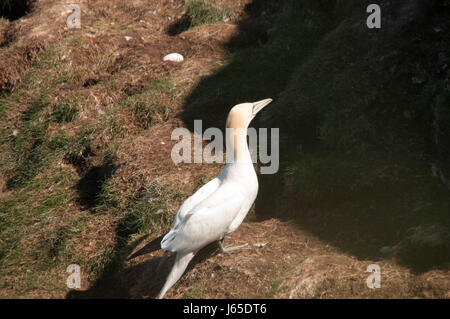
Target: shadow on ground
{"x": 143, "y": 280}
{"x": 344, "y": 123}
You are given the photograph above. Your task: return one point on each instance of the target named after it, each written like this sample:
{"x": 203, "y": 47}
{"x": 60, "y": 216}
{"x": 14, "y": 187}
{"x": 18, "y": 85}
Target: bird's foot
{"x": 229, "y": 249}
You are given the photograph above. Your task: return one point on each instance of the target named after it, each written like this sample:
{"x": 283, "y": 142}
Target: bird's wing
{"x": 206, "y": 222}
{"x": 202, "y": 193}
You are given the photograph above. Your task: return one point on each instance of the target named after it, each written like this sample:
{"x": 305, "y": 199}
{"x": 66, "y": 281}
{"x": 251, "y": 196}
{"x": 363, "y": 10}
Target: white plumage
{"x": 220, "y": 206}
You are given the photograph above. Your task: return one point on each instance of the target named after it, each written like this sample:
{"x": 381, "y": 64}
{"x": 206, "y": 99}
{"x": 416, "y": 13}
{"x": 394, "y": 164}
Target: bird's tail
{"x": 181, "y": 262}
{"x": 154, "y": 245}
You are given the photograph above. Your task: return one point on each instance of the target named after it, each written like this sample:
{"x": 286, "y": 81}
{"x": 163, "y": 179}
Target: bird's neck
{"x": 239, "y": 162}
{"x": 237, "y": 141}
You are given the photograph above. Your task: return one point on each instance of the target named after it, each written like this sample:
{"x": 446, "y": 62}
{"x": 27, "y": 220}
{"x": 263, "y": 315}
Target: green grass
{"x": 67, "y": 110}
{"x": 204, "y": 12}
{"x": 151, "y": 210}
{"x": 276, "y": 284}
{"x": 195, "y": 292}
{"x": 275, "y": 287}
{"x": 38, "y": 239}
{"x": 33, "y": 147}
{"x": 32, "y": 244}
{"x": 152, "y": 106}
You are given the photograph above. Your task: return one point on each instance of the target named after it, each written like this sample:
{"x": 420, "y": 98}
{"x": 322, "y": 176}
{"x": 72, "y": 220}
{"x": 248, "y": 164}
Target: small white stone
{"x": 15, "y": 133}
{"x": 128, "y": 38}
{"x": 174, "y": 57}
{"x": 159, "y": 211}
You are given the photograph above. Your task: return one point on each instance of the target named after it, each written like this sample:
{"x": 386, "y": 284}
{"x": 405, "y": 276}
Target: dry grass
{"x": 84, "y": 101}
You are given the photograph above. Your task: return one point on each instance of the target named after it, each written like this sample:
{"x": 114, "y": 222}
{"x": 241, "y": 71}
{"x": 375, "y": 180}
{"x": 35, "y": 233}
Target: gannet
{"x": 218, "y": 207}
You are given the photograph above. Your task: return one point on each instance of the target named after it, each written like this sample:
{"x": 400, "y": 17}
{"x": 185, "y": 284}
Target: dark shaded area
{"x": 143, "y": 280}
{"x": 259, "y": 16}
{"x": 79, "y": 160}
{"x": 257, "y": 71}
{"x": 179, "y": 26}
{"x": 14, "y": 9}
{"x": 425, "y": 252}
{"x": 326, "y": 89}
{"x": 90, "y": 187}
{"x": 110, "y": 284}
{"x": 90, "y": 82}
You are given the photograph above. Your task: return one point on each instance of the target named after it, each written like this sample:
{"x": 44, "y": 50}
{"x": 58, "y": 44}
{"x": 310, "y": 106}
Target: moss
{"x": 203, "y": 12}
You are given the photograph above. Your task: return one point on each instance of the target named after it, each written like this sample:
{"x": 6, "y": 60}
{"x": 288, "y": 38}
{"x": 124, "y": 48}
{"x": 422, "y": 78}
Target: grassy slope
{"x": 42, "y": 226}
{"x": 354, "y": 168}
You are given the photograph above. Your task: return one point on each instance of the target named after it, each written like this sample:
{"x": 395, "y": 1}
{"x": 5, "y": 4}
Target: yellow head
{"x": 241, "y": 115}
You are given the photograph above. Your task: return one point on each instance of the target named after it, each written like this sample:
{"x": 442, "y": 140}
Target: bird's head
{"x": 241, "y": 115}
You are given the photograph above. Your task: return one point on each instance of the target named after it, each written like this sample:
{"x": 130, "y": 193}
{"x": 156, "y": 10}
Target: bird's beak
{"x": 258, "y": 106}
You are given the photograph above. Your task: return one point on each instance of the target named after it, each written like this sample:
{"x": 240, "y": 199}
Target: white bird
{"x": 218, "y": 207}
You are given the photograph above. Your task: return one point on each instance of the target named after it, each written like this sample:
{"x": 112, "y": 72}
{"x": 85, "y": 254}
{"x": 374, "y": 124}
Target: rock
{"x": 174, "y": 57}
{"x": 385, "y": 250}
